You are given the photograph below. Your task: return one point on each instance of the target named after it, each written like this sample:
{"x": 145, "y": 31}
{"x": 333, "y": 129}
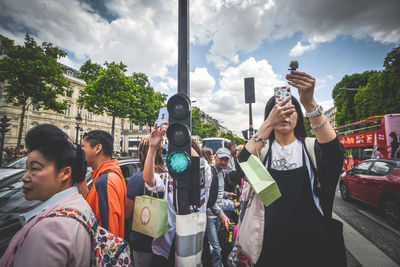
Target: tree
{"x": 149, "y": 102}
{"x": 307, "y": 127}
{"x": 378, "y": 94}
{"x": 196, "y": 121}
{"x": 32, "y": 75}
{"x": 208, "y": 130}
{"x": 344, "y": 99}
{"x": 230, "y": 136}
{"x": 391, "y": 81}
{"x": 108, "y": 90}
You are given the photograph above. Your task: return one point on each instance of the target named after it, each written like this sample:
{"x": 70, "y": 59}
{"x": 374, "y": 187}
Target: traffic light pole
{"x": 250, "y": 122}
{"x": 190, "y": 223}
{"x": 183, "y": 48}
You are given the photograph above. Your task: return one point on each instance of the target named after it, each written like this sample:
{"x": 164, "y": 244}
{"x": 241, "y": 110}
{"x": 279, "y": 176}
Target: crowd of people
{"x": 297, "y": 229}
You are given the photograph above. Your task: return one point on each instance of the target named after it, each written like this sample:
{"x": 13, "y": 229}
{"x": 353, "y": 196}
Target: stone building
{"x": 66, "y": 121}
{"x": 330, "y": 115}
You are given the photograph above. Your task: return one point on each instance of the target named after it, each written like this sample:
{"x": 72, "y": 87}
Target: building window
{"x": 108, "y": 119}
{"x": 69, "y": 73}
{"x": 79, "y": 111}
{"x": 131, "y": 127}
{"x": 69, "y": 91}
{"x": 140, "y": 128}
{"x": 122, "y": 126}
{"x": 90, "y": 116}
{"x": 67, "y": 112}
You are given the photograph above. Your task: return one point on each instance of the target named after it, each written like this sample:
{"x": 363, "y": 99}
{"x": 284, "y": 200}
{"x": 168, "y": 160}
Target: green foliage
{"x": 196, "y": 121}
{"x": 308, "y": 127}
{"x": 208, "y": 130}
{"x": 230, "y": 136}
{"x": 344, "y": 99}
{"x": 145, "y": 111}
{"x": 369, "y": 99}
{"x": 378, "y": 94}
{"x": 33, "y": 76}
{"x": 108, "y": 90}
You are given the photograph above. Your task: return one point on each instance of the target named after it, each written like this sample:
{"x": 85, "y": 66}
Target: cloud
{"x": 299, "y": 49}
{"x": 232, "y": 26}
{"x": 143, "y": 35}
{"x": 227, "y": 104}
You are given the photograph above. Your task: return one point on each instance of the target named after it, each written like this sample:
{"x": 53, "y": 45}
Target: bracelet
{"x": 256, "y": 139}
{"x": 319, "y": 125}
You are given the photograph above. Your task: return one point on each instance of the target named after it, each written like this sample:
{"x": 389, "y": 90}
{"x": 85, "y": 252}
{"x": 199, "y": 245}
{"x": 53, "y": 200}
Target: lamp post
{"x": 349, "y": 89}
{"x": 80, "y": 140}
{"x": 77, "y": 127}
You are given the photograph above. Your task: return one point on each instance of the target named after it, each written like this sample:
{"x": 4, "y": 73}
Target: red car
{"x": 377, "y": 182}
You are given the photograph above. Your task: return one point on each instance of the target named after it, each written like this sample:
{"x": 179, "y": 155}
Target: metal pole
{"x": 183, "y": 48}
{"x": 77, "y": 133}
{"x": 250, "y": 122}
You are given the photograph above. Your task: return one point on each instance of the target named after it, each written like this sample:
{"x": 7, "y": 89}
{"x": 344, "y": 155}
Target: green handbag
{"x": 150, "y": 216}
{"x": 260, "y": 180}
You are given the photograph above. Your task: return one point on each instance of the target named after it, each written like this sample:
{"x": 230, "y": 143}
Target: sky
{"x": 229, "y": 41}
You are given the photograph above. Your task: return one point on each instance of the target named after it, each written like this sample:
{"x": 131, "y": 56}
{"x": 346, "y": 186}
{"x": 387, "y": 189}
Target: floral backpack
{"x": 107, "y": 248}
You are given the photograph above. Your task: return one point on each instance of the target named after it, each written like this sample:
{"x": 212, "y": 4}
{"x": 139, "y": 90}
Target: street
{"x": 369, "y": 239}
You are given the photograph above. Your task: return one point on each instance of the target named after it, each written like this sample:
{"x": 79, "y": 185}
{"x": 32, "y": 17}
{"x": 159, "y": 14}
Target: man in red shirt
{"x": 107, "y": 196}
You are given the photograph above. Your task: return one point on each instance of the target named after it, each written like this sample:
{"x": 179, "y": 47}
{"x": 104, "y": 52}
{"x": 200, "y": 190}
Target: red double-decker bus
{"x": 377, "y": 136}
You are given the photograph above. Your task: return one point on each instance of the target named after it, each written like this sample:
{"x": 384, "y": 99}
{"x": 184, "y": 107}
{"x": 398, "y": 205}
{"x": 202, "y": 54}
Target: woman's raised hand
{"x": 156, "y": 135}
{"x": 305, "y": 83}
{"x": 280, "y": 112}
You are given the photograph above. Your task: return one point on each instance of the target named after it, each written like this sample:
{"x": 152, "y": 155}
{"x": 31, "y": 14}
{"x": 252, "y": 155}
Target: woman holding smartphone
{"x": 297, "y": 226}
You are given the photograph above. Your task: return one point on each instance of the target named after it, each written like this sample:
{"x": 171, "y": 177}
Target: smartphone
{"x": 162, "y": 116}
{"x": 281, "y": 93}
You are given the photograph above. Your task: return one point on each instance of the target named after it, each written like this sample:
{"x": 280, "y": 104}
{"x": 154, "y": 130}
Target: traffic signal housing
{"x": 4, "y": 124}
{"x": 179, "y": 137}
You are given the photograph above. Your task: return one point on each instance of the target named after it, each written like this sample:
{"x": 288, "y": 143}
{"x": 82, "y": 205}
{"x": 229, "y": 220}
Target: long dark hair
{"x": 299, "y": 130}
{"x": 158, "y": 161}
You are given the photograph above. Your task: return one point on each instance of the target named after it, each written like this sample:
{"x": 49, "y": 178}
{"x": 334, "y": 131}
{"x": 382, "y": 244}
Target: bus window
{"x": 374, "y": 125}
{"x": 366, "y": 152}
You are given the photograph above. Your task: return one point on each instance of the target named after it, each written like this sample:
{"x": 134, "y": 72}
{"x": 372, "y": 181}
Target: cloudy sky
{"x": 229, "y": 40}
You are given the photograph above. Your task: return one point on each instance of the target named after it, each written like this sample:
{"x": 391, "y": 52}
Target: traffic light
{"x": 4, "y": 125}
{"x": 179, "y": 160}
{"x": 245, "y": 134}
{"x": 179, "y": 137}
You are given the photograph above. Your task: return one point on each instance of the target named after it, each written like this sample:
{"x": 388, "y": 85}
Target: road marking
{"x": 372, "y": 217}
{"x": 365, "y": 252}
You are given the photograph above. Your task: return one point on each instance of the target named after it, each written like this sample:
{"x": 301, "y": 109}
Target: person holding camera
{"x": 297, "y": 229}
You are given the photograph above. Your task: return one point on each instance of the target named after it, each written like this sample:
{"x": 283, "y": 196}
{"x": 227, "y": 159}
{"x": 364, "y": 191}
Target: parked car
{"x": 13, "y": 202}
{"x": 376, "y": 182}
{"x": 19, "y": 163}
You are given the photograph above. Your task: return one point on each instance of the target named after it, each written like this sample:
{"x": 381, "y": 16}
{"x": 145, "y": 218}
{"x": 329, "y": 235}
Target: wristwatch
{"x": 317, "y": 112}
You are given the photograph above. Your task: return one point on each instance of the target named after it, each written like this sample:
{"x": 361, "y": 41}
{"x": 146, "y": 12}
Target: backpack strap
{"x": 113, "y": 171}
{"x": 310, "y": 148}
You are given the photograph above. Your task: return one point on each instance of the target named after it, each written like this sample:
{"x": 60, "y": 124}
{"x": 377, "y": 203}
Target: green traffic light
{"x": 178, "y": 162}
